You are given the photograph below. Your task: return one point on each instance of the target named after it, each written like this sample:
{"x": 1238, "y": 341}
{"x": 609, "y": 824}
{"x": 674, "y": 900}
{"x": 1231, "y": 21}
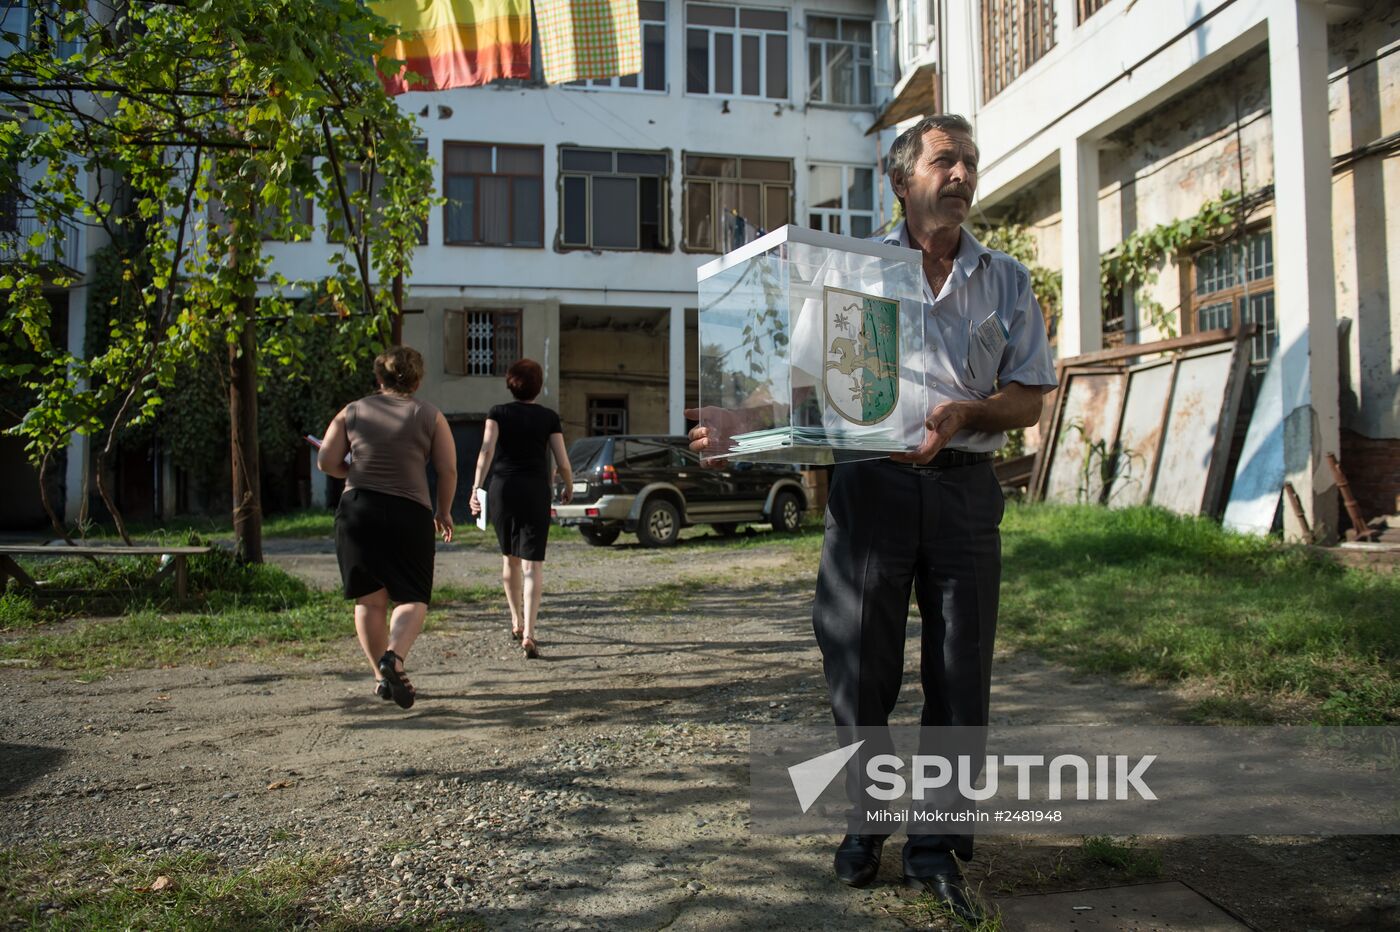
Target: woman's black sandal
{"x": 382, "y": 690}
{"x": 399, "y": 686}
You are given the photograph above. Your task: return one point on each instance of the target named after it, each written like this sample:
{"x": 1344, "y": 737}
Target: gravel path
{"x": 603, "y": 786}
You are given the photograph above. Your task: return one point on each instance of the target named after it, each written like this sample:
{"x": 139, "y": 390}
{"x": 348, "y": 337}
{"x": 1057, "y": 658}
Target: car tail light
{"x": 608, "y": 474}
{"x": 591, "y": 512}
{"x": 554, "y": 512}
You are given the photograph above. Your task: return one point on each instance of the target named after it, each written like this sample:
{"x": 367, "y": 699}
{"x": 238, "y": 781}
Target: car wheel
{"x": 726, "y": 528}
{"x": 600, "y": 536}
{"x": 787, "y": 513}
{"x": 660, "y": 525}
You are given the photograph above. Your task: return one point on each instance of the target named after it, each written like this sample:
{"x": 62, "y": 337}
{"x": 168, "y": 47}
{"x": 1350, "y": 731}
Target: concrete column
{"x": 1081, "y": 324}
{"x": 1304, "y": 299}
{"x": 676, "y": 361}
{"x": 1065, "y": 13}
{"x": 75, "y": 480}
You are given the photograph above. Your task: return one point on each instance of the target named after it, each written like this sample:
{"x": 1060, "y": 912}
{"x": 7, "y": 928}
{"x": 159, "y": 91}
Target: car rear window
{"x": 586, "y": 454}
{"x": 640, "y": 454}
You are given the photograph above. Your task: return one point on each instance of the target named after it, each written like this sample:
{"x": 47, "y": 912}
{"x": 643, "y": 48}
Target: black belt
{"x": 952, "y": 459}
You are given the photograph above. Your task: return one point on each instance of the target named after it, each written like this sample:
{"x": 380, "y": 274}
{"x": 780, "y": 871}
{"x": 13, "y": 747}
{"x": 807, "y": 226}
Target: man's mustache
{"x": 957, "y": 190}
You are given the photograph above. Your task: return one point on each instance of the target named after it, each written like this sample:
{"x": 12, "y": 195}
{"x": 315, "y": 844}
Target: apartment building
{"x": 577, "y": 215}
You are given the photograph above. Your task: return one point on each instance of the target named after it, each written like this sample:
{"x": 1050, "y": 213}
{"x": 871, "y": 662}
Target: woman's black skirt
{"x": 518, "y": 506}
{"x": 384, "y": 542}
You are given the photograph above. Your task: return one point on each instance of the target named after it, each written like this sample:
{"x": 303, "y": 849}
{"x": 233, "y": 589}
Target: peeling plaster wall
{"x": 1162, "y": 167}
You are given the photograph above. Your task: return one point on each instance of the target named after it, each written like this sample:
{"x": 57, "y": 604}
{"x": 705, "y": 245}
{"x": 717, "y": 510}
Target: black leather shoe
{"x": 949, "y": 889}
{"x": 858, "y": 859}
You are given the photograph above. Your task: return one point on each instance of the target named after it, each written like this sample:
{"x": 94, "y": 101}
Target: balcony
{"x": 17, "y": 228}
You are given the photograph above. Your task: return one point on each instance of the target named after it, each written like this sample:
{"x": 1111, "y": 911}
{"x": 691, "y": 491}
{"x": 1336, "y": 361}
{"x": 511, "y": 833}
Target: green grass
{"x": 262, "y": 611}
{"x": 102, "y": 886}
{"x": 151, "y": 638}
{"x": 658, "y": 599}
{"x": 217, "y": 582}
{"x": 1123, "y": 856}
{"x": 465, "y": 595}
{"x": 1145, "y": 593}
{"x": 308, "y": 522}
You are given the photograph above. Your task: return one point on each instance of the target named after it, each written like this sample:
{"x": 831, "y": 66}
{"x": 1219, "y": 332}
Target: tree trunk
{"x": 396, "y": 326}
{"x": 243, "y": 437}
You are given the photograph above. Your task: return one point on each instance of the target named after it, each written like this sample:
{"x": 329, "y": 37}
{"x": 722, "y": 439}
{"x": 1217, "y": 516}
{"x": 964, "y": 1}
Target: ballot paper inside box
{"x": 811, "y": 349}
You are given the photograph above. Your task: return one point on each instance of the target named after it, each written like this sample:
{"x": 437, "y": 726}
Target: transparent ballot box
{"x": 810, "y": 347}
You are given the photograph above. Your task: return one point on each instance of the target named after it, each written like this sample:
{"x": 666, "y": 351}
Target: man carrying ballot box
{"x": 928, "y": 520}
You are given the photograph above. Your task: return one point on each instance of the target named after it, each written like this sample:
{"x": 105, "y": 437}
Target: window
{"x": 730, "y": 200}
{"x": 302, "y": 212}
{"x": 480, "y": 342}
{"x": 9, "y": 197}
{"x": 842, "y": 199}
{"x": 736, "y": 51}
{"x": 1087, "y": 8}
{"x": 652, "y": 14}
{"x": 613, "y": 199}
{"x": 839, "y": 60}
{"x": 37, "y": 23}
{"x": 495, "y": 195}
{"x": 1015, "y": 35}
{"x": 1235, "y": 281}
{"x": 607, "y": 416}
{"x": 354, "y": 181}
{"x": 639, "y": 454}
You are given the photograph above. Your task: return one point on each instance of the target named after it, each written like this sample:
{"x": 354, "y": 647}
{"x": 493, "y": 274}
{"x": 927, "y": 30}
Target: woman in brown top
{"x": 384, "y": 525}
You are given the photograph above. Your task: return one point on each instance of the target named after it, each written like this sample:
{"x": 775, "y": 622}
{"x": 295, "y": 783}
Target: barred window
{"x": 1235, "y": 281}
{"x": 480, "y": 342}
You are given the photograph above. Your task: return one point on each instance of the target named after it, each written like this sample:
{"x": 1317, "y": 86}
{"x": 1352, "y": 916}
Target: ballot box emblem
{"x": 861, "y": 337}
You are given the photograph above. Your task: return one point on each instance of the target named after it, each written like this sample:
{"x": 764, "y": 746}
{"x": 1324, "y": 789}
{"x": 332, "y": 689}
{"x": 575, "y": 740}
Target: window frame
{"x": 824, "y": 43}
{"x": 615, "y": 83}
{"x": 624, "y": 408}
{"x": 844, "y": 213}
{"x": 688, "y": 180}
{"x": 738, "y": 33}
{"x": 663, "y": 196}
{"x": 1241, "y": 295}
{"x": 495, "y": 147}
{"x": 354, "y": 179}
{"x": 500, "y": 362}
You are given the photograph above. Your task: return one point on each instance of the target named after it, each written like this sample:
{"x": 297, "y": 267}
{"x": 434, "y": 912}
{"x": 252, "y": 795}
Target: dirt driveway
{"x": 603, "y": 786}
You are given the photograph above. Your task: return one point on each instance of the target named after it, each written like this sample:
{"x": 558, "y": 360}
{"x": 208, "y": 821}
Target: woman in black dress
{"x": 519, "y": 438}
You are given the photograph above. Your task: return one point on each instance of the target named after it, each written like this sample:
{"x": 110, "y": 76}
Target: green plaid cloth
{"x": 582, "y": 39}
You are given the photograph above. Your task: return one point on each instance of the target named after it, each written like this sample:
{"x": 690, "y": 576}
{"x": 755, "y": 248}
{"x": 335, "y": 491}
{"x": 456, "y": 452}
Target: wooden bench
{"x": 178, "y": 567}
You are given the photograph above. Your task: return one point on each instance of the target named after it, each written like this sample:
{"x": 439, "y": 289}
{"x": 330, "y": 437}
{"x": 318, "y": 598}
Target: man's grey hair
{"x": 905, "y": 152}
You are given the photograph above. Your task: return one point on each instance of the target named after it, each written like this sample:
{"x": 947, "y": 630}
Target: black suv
{"x": 654, "y": 486}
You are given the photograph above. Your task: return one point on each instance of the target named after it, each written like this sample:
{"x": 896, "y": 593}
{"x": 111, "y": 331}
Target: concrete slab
{"x": 1147, "y": 907}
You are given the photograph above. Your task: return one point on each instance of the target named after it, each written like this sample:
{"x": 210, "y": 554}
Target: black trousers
{"x": 889, "y": 529}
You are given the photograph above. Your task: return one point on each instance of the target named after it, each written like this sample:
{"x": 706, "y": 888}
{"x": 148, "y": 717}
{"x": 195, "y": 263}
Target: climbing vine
{"x": 1136, "y": 262}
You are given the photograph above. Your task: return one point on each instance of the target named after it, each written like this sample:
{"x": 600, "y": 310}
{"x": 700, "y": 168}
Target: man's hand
{"x": 566, "y": 495}
{"x": 443, "y": 523}
{"x": 711, "y": 437}
{"x": 942, "y": 424}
